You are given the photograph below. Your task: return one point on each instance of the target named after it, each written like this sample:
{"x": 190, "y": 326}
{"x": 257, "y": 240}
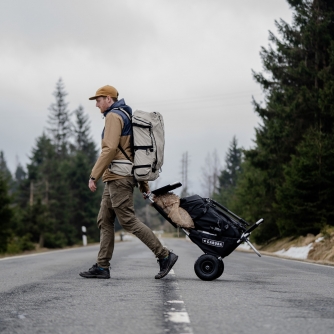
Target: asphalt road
{"x": 45, "y": 294}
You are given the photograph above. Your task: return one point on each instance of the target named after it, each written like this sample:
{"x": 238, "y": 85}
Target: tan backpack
{"x": 148, "y": 143}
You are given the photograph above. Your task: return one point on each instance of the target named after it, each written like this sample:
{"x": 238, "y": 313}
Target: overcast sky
{"x": 191, "y": 60}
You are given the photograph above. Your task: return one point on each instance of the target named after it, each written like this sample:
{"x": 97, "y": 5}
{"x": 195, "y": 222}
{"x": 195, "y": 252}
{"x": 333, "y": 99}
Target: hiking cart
{"x": 217, "y": 231}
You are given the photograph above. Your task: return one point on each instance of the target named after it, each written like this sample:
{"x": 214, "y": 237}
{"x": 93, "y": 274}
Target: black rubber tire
{"x": 221, "y": 268}
{"x": 208, "y": 267}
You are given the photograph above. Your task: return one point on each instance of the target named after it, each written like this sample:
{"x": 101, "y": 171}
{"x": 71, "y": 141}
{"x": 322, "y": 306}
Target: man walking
{"x": 117, "y": 198}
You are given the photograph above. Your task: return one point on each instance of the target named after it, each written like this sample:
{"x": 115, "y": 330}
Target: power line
{"x": 202, "y": 98}
{"x": 204, "y": 107}
{"x": 184, "y": 171}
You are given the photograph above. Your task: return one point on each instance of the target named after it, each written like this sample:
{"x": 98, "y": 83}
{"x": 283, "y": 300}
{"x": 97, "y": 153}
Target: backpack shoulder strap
{"x": 125, "y": 112}
{"x": 119, "y": 146}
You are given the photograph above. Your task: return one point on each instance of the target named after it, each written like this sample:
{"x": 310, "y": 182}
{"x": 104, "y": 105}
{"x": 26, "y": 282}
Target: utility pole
{"x": 184, "y": 173}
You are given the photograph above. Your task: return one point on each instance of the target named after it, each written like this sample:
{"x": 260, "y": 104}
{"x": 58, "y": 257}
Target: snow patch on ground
{"x": 244, "y": 246}
{"x": 296, "y": 252}
{"x": 319, "y": 239}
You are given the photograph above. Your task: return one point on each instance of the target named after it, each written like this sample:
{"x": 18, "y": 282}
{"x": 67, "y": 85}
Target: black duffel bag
{"x": 208, "y": 218}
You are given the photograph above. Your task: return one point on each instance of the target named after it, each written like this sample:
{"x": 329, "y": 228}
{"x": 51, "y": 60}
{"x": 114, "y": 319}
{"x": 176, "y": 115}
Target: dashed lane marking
{"x": 179, "y": 317}
{"x": 177, "y": 320}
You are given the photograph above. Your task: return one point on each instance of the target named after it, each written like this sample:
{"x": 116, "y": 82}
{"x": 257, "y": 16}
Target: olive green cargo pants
{"x": 117, "y": 200}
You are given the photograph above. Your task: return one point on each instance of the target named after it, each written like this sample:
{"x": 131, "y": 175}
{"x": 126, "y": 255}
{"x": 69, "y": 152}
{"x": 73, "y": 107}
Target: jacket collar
{"x": 117, "y": 104}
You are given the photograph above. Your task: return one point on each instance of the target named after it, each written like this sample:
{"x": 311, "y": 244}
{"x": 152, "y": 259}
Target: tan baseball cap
{"x": 105, "y": 91}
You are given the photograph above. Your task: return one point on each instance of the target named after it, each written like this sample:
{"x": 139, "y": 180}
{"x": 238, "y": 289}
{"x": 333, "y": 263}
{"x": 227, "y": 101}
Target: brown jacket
{"x": 117, "y": 131}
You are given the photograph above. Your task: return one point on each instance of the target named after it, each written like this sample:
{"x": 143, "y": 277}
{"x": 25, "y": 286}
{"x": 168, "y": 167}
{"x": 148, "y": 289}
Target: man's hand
{"x": 146, "y": 195}
{"x": 92, "y": 185}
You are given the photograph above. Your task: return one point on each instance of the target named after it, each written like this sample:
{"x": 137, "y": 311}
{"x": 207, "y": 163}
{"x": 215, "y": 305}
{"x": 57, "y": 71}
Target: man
{"x": 117, "y": 198}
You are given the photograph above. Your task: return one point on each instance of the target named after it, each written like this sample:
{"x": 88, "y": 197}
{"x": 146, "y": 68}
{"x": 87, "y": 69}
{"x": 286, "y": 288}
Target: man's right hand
{"x": 146, "y": 195}
{"x": 92, "y": 185}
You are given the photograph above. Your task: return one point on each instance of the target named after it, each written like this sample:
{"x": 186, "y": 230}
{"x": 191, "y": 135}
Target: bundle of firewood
{"x": 170, "y": 203}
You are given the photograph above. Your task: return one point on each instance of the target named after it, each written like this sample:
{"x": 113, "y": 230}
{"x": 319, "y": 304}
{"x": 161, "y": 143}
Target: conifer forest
{"x": 287, "y": 177}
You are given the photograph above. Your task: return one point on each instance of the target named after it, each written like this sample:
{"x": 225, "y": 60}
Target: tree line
{"x": 47, "y": 202}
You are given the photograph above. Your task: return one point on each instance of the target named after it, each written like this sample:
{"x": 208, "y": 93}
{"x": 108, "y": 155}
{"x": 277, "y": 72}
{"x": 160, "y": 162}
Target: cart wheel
{"x": 208, "y": 267}
{"x": 221, "y": 268}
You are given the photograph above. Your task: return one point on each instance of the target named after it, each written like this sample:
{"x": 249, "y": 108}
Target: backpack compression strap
{"x": 122, "y": 150}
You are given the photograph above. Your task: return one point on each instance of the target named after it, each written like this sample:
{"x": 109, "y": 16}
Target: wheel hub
{"x": 207, "y": 267}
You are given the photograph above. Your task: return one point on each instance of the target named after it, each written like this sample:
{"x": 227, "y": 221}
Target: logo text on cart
{"x": 213, "y": 242}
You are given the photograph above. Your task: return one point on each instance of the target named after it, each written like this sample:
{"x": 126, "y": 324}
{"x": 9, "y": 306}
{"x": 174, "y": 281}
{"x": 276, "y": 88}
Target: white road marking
{"x": 179, "y": 317}
{"x": 176, "y": 316}
{"x": 43, "y": 253}
{"x": 301, "y": 261}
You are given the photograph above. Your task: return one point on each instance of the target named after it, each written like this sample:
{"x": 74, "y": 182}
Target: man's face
{"x": 104, "y": 102}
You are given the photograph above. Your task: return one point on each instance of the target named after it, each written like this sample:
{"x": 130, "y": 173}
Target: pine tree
{"x": 4, "y": 169}
{"x": 58, "y": 187}
{"x": 310, "y": 175}
{"x": 7, "y": 175}
{"x": 305, "y": 198}
{"x": 83, "y": 139}
{"x": 84, "y": 204}
{"x": 229, "y": 175}
{"x": 298, "y": 101}
{"x": 53, "y": 200}
{"x": 249, "y": 201}
{"x": 37, "y": 189}
{"x": 41, "y": 170}
{"x": 59, "y": 120}
{"x": 19, "y": 177}
{"x": 6, "y": 213}
{"x": 20, "y": 174}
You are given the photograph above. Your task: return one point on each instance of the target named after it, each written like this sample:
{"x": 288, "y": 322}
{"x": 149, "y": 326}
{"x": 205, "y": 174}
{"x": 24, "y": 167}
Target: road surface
{"x": 45, "y": 294}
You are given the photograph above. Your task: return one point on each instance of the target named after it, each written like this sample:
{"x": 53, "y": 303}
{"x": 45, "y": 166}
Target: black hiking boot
{"x": 96, "y": 272}
{"x": 166, "y": 265}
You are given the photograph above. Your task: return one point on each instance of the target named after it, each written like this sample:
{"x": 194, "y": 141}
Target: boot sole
{"x": 169, "y": 269}
{"x": 94, "y": 276}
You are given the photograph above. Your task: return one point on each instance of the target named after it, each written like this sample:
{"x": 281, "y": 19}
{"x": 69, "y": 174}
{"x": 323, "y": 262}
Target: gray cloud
{"x": 189, "y": 59}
